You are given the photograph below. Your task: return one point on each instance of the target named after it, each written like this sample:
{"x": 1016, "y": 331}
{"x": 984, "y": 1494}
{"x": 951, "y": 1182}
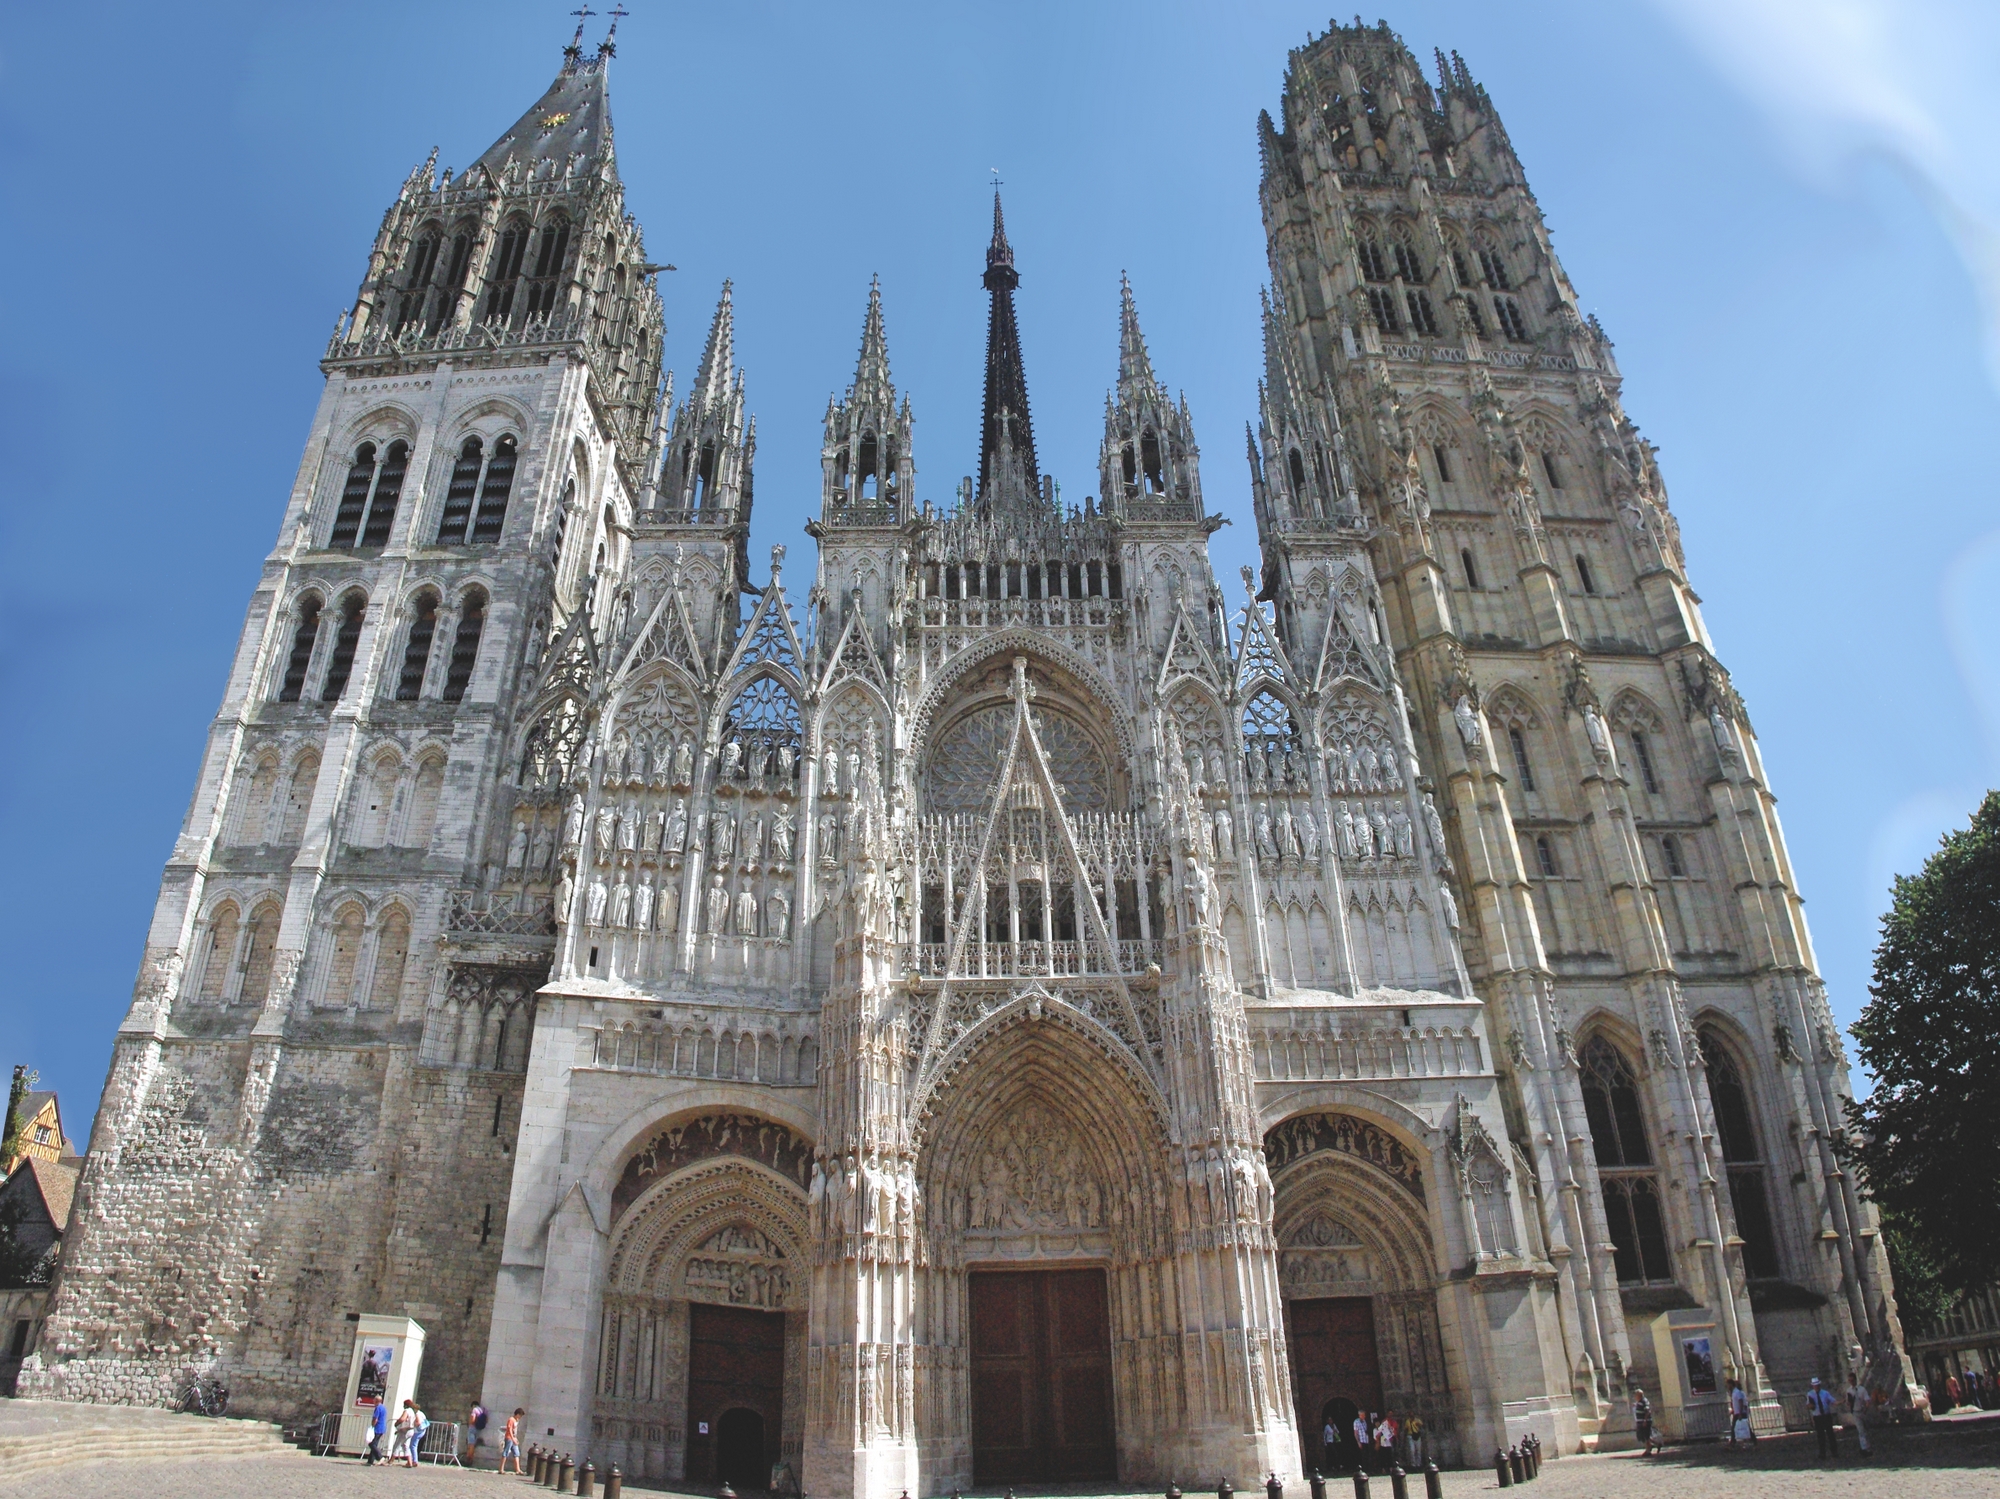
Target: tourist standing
{"x": 1329, "y": 1445}
{"x": 1740, "y": 1429}
{"x": 1413, "y": 1432}
{"x": 1819, "y": 1400}
{"x": 1385, "y": 1441}
{"x": 510, "y": 1440}
{"x": 1363, "y": 1440}
{"x": 1642, "y": 1422}
{"x": 1859, "y": 1403}
{"x": 419, "y": 1424}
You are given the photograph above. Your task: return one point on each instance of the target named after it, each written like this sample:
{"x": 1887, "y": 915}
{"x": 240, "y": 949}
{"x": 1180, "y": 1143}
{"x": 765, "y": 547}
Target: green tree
{"x": 1930, "y": 1034}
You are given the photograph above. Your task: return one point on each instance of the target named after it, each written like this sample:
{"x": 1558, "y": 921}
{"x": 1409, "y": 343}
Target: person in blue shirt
{"x": 378, "y": 1428}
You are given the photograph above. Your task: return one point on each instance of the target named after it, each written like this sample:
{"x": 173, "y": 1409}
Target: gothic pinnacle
{"x": 711, "y": 381}
{"x": 871, "y": 370}
{"x": 1135, "y": 366}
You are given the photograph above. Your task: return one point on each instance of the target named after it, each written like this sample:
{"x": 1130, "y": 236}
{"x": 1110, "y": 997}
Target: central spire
{"x": 1007, "y": 472}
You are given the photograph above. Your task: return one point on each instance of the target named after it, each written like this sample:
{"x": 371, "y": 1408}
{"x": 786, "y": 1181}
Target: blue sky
{"x": 1783, "y": 213}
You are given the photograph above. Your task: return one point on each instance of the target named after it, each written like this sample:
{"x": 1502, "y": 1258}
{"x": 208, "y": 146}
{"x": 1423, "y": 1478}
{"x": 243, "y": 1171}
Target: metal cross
{"x": 997, "y": 178}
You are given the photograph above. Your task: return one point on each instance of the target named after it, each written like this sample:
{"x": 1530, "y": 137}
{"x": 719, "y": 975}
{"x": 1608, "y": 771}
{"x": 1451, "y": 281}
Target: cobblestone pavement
{"x": 1950, "y": 1458}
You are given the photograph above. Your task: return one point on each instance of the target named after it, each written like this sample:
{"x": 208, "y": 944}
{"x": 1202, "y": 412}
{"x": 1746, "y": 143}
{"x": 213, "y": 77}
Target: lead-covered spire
{"x": 1008, "y": 476}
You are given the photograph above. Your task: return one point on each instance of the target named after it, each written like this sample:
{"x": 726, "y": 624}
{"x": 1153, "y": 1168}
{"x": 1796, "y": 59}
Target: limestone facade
{"x": 580, "y": 947}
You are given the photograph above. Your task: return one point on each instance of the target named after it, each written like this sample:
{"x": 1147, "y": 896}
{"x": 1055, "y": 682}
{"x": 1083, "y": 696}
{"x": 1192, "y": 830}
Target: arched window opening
{"x": 1549, "y": 468}
{"x": 354, "y": 498}
{"x": 257, "y": 956}
{"x": 223, "y": 928}
{"x": 1643, "y": 753}
{"x": 890, "y": 465}
{"x": 348, "y": 926}
{"x": 459, "y": 494}
{"x": 545, "y": 290}
{"x": 304, "y": 635}
{"x": 1296, "y": 465}
{"x": 505, "y": 272}
{"x": 252, "y": 804}
{"x": 1495, "y": 268}
{"x": 1270, "y": 737}
{"x": 549, "y": 753}
{"x": 417, "y": 279}
{"x": 1520, "y": 746}
{"x": 1670, "y": 850}
{"x": 421, "y": 816}
{"x": 865, "y": 467}
{"x": 1458, "y": 266}
{"x": 1511, "y": 322}
{"x": 1742, "y": 1154}
{"x": 340, "y": 665}
{"x": 1472, "y": 315}
{"x": 704, "y": 478}
{"x": 1382, "y": 303}
{"x": 1093, "y": 576}
{"x": 1423, "y": 317}
{"x": 493, "y": 493}
{"x": 298, "y": 800}
{"x": 454, "y": 281}
{"x": 465, "y": 646}
{"x": 1545, "y": 857}
{"x": 417, "y": 650}
{"x": 1442, "y": 455}
{"x": 1471, "y": 572}
{"x": 1149, "y": 459}
{"x": 1632, "y": 1205}
{"x": 392, "y": 952}
{"x": 764, "y": 719}
{"x": 1129, "y": 464}
{"x": 1583, "y": 574}
{"x": 1407, "y": 265}
{"x": 1373, "y": 265}
{"x": 562, "y": 528}
{"x": 388, "y": 494}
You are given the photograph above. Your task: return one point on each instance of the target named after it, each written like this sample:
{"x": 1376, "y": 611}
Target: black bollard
{"x": 1531, "y": 1451}
{"x": 541, "y": 1464}
{"x": 1173, "y": 1490}
{"x": 1514, "y": 1462}
{"x": 586, "y": 1480}
{"x": 1500, "y": 1469}
{"x": 614, "y": 1484}
{"x": 1399, "y": 1483}
{"x": 1273, "y": 1489}
{"x": 1318, "y": 1485}
{"x": 1225, "y": 1489}
{"x": 1360, "y": 1482}
{"x": 566, "y": 1480}
{"x": 730, "y": 1493}
{"x": 1433, "y": 1481}
{"x": 534, "y": 1463}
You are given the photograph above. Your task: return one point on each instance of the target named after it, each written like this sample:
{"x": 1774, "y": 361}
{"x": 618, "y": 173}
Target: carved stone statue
{"x": 787, "y": 758}
{"x": 1225, "y": 836}
{"x": 565, "y": 892}
{"x": 628, "y": 827}
{"x": 1405, "y": 833}
{"x": 829, "y": 773}
{"x": 573, "y": 823}
{"x": 1348, "y": 846}
{"x": 853, "y": 771}
{"x": 1434, "y": 825}
{"x": 1267, "y": 844}
{"x": 517, "y": 847}
{"x": 1254, "y": 765}
{"x": 1391, "y": 768}
{"x": 621, "y": 903}
{"x": 1718, "y": 726}
{"x": 607, "y": 826}
{"x": 1467, "y": 718}
{"x": 781, "y": 837}
{"x": 778, "y": 916}
{"x": 746, "y": 912}
{"x": 1288, "y": 833}
{"x": 1599, "y": 736}
{"x": 753, "y": 836}
{"x": 1378, "y": 823}
{"x": 829, "y": 833}
{"x": 732, "y": 758}
{"x": 718, "y": 905}
{"x": 684, "y": 762}
{"x": 594, "y": 908}
{"x": 1201, "y": 890}
{"x": 642, "y": 903}
{"x": 1370, "y": 767}
{"x": 539, "y": 861}
{"x": 656, "y": 824}
{"x": 670, "y": 908}
{"x": 1309, "y": 835}
{"x": 677, "y": 827}
{"x": 721, "y": 834}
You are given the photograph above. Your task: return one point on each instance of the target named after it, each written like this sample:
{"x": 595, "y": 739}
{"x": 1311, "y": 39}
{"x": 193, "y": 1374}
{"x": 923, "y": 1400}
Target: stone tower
{"x": 312, "y": 1103}
{"x": 1009, "y": 1019}
{"x": 1673, "y": 1074}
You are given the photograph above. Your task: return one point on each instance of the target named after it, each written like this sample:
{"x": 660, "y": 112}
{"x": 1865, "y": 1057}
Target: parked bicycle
{"x": 204, "y": 1397}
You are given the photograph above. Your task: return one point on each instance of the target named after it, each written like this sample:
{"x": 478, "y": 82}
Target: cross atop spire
{"x": 1008, "y": 477}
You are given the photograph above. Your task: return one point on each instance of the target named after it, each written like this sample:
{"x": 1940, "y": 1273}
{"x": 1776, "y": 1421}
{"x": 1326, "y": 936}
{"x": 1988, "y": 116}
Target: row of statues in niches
{"x": 628, "y": 899}
{"x": 1353, "y": 767}
{"x": 652, "y": 830}
{"x": 1287, "y": 829}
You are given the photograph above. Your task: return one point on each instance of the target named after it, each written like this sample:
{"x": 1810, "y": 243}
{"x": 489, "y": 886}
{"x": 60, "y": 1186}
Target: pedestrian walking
{"x": 1642, "y": 1423}
{"x": 419, "y": 1424}
{"x": 378, "y": 1427}
{"x": 405, "y": 1424}
{"x": 1740, "y": 1429}
{"x": 1859, "y": 1404}
{"x": 510, "y": 1440}
{"x": 1820, "y": 1401}
{"x": 475, "y": 1433}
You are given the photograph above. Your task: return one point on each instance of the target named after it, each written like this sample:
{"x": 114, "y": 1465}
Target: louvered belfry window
{"x": 388, "y": 492}
{"x": 417, "y": 651}
{"x": 465, "y": 646}
{"x": 354, "y": 498}
{"x": 303, "y": 637}
{"x": 505, "y": 272}
{"x": 545, "y": 290}
{"x": 493, "y": 493}
{"x": 459, "y": 495}
{"x": 340, "y": 665}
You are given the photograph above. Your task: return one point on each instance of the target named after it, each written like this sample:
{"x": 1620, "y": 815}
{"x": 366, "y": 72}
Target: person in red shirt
{"x": 510, "y": 1441}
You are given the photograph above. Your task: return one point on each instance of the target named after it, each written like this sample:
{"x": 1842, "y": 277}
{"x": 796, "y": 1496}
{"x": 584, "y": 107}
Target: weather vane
{"x": 996, "y": 176}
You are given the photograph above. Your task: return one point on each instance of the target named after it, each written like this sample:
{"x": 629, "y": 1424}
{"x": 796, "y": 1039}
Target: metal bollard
{"x": 614, "y": 1484}
{"x": 586, "y": 1480}
{"x": 1399, "y": 1483}
{"x": 553, "y": 1470}
{"x": 1535, "y": 1452}
{"x": 1514, "y": 1462}
{"x": 1225, "y": 1489}
{"x": 1433, "y": 1481}
{"x": 1173, "y": 1490}
{"x": 1318, "y": 1485}
{"x": 730, "y": 1493}
{"x": 1273, "y": 1488}
{"x": 566, "y": 1478}
{"x": 1360, "y": 1482}
{"x": 1500, "y": 1469}
{"x": 539, "y": 1466}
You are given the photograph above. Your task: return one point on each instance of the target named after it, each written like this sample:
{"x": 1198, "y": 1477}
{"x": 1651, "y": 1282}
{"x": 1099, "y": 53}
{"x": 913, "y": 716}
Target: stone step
{"x": 40, "y": 1440}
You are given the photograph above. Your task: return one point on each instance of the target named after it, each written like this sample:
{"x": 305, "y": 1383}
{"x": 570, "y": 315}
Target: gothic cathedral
{"x": 1000, "y": 1017}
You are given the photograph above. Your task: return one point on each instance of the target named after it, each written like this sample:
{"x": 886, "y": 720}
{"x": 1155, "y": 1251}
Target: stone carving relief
{"x": 1309, "y": 1134}
{"x": 965, "y": 762}
{"x": 764, "y": 1141}
{"x": 738, "y": 1266}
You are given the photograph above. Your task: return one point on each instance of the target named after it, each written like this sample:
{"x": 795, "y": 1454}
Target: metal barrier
{"x": 441, "y": 1444}
{"x": 326, "y": 1434}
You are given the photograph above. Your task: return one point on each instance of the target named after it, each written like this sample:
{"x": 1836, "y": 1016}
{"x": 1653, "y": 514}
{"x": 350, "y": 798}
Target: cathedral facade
{"x": 993, "y": 1014}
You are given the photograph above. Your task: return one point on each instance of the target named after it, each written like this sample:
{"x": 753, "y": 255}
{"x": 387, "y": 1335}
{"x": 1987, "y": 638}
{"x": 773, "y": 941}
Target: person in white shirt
{"x": 1820, "y": 1401}
{"x": 1860, "y": 1405}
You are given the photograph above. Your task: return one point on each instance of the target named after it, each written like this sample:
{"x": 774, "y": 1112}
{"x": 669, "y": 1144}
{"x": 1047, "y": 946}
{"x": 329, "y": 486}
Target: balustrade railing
{"x": 501, "y": 913}
{"x": 1321, "y": 1053}
{"x": 1052, "y": 959}
{"x": 996, "y": 613}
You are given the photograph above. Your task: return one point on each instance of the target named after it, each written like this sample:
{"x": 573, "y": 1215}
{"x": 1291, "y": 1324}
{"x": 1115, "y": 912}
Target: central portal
{"x": 1041, "y": 1376}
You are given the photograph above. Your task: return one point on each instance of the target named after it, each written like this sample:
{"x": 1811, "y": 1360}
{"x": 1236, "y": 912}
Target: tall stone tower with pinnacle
{"x": 1012, "y": 1020}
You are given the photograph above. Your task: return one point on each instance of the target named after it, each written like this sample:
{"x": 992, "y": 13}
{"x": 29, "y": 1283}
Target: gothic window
{"x": 865, "y": 468}
{"x": 465, "y": 645}
{"x": 764, "y": 719}
{"x": 1149, "y": 461}
{"x": 263, "y": 947}
{"x": 549, "y": 753}
{"x": 304, "y": 634}
{"x": 1458, "y": 265}
{"x": 1511, "y": 321}
{"x": 1545, "y": 857}
{"x": 1670, "y": 851}
{"x": 298, "y": 799}
{"x": 417, "y": 650}
{"x": 1472, "y": 316}
{"x": 964, "y": 765}
{"x": 392, "y": 952}
{"x": 1742, "y": 1155}
{"x": 1129, "y": 463}
{"x": 1471, "y": 572}
{"x": 1422, "y": 318}
{"x": 1407, "y": 265}
{"x": 704, "y": 478}
{"x": 1495, "y": 268}
{"x": 1624, "y": 1162}
{"x": 454, "y": 279}
{"x": 1549, "y": 468}
{"x": 458, "y": 495}
{"x": 375, "y": 801}
{"x": 340, "y": 665}
{"x": 254, "y": 802}
{"x": 1519, "y": 743}
{"x": 1443, "y": 456}
{"x": 1268, "y": 725}
{"x": 1373, "y": 265}
{"x": 1382, "y": 303}
{"x": 388, "y": 491}
{"x": 1643, "y": 753}
{"x": 493, "y": 493}
{"x": 562, "y": 528}
{"x": 505, "y": 271}
{"x": 1583, "y": 575}
{"x": 348, "y": 926}
{"x": 354, "y": 497}
{"x": 545, "y": 290}
{"x": 417, "y": 280}
{"x": 1297, "y": 466}
{"x": 223, "y": 928}
{"x": 421, "y": 816}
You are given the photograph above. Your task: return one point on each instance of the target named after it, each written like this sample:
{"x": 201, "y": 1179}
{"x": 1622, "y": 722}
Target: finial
{"x": 777, "y": 560}
{"x": 1020, "y": 679}
{"x": 575, "y": 47}
{"x": 1249, "y": 581}
{"x": 609, "y": 46}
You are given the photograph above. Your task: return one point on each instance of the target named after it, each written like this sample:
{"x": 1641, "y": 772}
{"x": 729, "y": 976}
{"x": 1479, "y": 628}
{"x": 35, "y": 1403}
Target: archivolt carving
{"x": 1105, "y": 701}
{"x": 725, "y": 1230}
{"x": 748, "y": 1136}
{"x": 1307, "y": 1135}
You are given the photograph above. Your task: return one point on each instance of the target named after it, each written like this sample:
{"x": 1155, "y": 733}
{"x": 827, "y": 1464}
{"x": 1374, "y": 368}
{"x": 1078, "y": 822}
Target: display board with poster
{"x": 388, "y": 1356}
{"x": 1691, "y": 1401}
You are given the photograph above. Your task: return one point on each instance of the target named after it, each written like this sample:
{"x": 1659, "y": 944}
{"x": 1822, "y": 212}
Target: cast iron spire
{"x": 1007, "y": 473}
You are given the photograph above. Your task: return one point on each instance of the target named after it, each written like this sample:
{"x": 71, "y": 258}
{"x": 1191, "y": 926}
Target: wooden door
{"x": 1334, "y": 1373}
{"x": 736, "y": 1367}
{"x": 1041, "y": 1376}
